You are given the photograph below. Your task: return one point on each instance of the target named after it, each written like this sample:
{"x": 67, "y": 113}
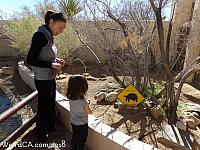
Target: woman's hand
{"x": 56, "y": 66}
{"x": 60, "y": 61}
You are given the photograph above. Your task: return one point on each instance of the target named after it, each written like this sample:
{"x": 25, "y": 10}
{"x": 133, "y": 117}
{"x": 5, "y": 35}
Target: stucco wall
{"x": 182, "y": 12}
{"x": 193, "y": 49}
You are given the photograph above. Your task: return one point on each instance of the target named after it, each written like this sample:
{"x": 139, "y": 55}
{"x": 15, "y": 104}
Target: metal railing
{"x": 13, "y": 110}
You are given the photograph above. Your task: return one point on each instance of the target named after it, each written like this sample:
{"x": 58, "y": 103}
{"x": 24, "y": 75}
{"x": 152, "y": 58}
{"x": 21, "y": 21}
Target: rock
{"x": 100, "y": 96}
{"x": 103, "y": 90}
{"x": 116, "y": 106}
{"x": 61, "y": 76}
{"x": 191, "y": 124}
{"x": 90, "y": 78}
{"x": 102, "y": 75}
{"x": 7, "y": 70}
{"x": 196, "y": 114}
{"x": 155, "y": 112}
{"x": 189, "y": 91}
{"x": 181, "y": 125}
{"x": 111, "y": 97}
{"x": 102, "y": 79}
{"x": 192, "y": 107}
{"x": 86, "y": 74}
{"x": 173, "y": 138}
{"x": 119, "y": 90}
{"x": 192, "y": 121}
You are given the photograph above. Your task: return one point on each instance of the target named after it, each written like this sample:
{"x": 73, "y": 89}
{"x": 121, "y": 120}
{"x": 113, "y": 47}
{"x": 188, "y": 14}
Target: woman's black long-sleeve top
{"x": 39, "y": 40}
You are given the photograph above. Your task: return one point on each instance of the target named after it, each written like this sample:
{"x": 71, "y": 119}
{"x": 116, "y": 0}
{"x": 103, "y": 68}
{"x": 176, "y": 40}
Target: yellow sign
{"x": 130, "y": 96}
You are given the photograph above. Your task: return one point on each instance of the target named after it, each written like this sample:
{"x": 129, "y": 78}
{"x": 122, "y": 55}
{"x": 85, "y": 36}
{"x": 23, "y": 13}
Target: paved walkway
{"x": 59, "y": 140}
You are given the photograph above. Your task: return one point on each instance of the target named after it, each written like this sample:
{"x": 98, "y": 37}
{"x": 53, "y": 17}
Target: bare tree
{"x": 120, "y": 23}
{"x": 43, "y": 6}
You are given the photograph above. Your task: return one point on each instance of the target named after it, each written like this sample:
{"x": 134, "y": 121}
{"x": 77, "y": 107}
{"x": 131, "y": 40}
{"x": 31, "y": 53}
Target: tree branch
{"x": 155, "y": 9}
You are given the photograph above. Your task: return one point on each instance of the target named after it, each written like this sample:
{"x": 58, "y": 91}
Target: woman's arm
{"x": 39, "y": 40}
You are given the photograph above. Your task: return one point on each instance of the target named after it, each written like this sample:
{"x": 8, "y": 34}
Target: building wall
{"x": 187, "y": 14}
{"x": 183, "y": 12}
{"x": 193, "y": 49}
{"x": 181, "y": 19}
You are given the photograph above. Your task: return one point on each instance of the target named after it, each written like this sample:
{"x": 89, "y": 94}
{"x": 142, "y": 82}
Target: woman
{"x": 42, "y": 56}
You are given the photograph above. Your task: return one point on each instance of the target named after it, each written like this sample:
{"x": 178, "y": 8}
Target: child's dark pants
{"x": 79, "y": 137}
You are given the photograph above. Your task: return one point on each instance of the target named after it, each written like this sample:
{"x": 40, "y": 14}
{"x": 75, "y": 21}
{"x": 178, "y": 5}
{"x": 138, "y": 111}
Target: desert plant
{"x": 20, "y": 32}
{"x": 65, "y": 44}
{"x": 69, "y": 7}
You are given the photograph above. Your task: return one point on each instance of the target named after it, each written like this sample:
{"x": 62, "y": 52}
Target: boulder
{"x": 189, "y": 91}
{"x": 111, "y": 97}
{"x": 181, "y": 125}
{"x": 7, "y": 70}
{"x": 86, "y": 74}
{"x": 119, "y": 90}
{"x": 100, "y": 96}
{"x": 192, "y": 121}
{"x": 192, "y": 107}
{"x": 102, "y": 79}
{"x": 91, "y": 78}
{"x": 155, "y": 112}
{"x": 102, "y": 75}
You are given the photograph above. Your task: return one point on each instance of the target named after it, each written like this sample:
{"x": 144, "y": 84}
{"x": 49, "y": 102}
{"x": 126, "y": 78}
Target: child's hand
{"x": 87, "y": 109}
{"x": 88, "y": 101}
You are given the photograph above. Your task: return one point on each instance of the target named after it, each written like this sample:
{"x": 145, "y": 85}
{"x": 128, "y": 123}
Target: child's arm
{"x": 87, "y": 108}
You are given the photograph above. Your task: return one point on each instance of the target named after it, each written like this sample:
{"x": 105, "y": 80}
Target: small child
{"x": 79, "y": 109}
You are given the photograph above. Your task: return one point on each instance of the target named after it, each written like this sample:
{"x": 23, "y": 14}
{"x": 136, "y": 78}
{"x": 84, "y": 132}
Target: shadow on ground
{"x": 59, "y": 140}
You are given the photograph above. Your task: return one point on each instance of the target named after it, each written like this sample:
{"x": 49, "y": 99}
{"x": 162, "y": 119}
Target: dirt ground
{"x": 137, "y": 124}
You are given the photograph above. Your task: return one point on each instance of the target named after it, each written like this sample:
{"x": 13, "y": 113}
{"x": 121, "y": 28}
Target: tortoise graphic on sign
{"x": 131, "y": 96}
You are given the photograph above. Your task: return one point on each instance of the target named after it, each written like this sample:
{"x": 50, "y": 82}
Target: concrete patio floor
{"x": 59, "y": 140}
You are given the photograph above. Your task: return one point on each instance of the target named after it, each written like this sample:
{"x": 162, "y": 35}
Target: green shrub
{"x": 65, "y": 44}
{"x": 20, "y": 32}
{"x": 153, "y": 89}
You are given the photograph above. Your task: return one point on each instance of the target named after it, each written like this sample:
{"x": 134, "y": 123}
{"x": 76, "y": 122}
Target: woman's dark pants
{"x": 45, "y": 120}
